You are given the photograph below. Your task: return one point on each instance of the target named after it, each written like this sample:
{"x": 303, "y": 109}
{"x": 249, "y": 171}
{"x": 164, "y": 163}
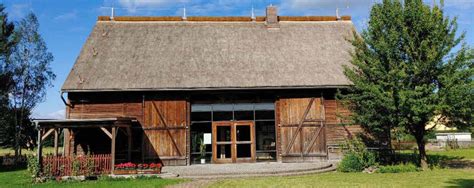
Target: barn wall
{"x": 165, "y": 130}
{"x": 290, "y": 110}
{"x": 336, "y": 115}
{"x": 306, "y": 141}
{"x": 155, "y": 135}
{"x": 169, "y": 139}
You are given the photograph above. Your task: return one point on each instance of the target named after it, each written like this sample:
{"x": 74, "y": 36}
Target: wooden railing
{"x": 76, "y": 165}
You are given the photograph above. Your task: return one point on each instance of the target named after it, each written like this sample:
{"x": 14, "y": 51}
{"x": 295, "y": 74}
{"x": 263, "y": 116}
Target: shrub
{"x": 357, "y": 157}
{"x": 350, "y": 163}
{"x": 398, "y": 168}
{"x": 33, "y": 165}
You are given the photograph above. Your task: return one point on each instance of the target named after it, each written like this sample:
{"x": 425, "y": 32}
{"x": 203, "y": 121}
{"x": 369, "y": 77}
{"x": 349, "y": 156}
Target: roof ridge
{"x": 221, "y": 18}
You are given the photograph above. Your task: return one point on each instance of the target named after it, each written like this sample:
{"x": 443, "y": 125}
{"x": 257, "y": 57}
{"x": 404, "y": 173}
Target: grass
{"x": 463, "y": 153}
{"x": 20, "y": 178}
{"x": 430, "y": 178}
{"x": 46, "y": 150}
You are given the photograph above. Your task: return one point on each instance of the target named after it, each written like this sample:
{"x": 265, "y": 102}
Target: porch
{"x": 97, "y": 140}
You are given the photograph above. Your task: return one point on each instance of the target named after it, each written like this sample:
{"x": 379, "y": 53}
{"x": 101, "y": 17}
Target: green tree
{"x": 7, "y": 43}
{"x": 32, "y": 74}
{"x": 407, "y": 67}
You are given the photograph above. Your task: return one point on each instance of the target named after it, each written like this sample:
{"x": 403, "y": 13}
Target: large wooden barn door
{"x": 302, "y": 129}
{"x": 165, "y": 131}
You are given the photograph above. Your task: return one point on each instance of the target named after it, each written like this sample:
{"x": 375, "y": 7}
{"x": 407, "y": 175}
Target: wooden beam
{"x": 56, "y": 138}
{"x": 65, "y": 141}
{"x": 40, "y": 153}
{"x": 155, "y": 127}
{"x": 129, "y": 136}
{"x": 47, "y": 134}
{"x": 112, "y": 149}
{"x": 313, "y": 139}
{"x": 107, "y": 132}
{"x": 167, "y": 130}
{"x": 300, "y": 126}
{"x": 304, "y": 125}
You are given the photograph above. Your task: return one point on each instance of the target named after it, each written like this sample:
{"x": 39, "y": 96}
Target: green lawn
{"x": 463, "y": 153}
{"x": 20, "y": 178}
{"x": 46, "y": 150}
{"x": 431, "y": 178}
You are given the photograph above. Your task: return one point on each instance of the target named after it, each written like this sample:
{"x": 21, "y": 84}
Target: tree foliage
{"x": 407, "y": 67}
{"x": 7, "y": 43}
{"x": 29, "y": 65}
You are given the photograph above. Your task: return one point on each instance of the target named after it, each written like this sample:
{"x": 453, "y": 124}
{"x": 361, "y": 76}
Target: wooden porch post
{"x": 56, "y": 138}
{"x": 40, "y": 150}
{"x": 65, "y": 141}
{"x": 112, "y": 151}
{"x": 129, "y": 154}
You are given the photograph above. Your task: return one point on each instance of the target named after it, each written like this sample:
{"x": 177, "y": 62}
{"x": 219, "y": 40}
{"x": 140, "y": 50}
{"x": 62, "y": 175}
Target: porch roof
{"x": 85, "y": 123}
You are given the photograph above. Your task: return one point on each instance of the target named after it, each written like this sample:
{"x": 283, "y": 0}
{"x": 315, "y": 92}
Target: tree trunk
{"x": 17, "y": 141}
{"x": 423, "y": 159}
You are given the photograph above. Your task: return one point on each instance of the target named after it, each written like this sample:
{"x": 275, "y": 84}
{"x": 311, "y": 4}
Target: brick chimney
{"x": 272, "y": 16}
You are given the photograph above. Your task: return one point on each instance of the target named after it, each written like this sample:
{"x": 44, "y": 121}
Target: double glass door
{"x": 233, "y": 141}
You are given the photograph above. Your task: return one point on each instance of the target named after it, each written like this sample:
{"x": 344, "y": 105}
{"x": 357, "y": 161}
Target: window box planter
{"x": 149, "y": 171}
{"x": 124, "y": 172}
{"x": 131, "y": 168}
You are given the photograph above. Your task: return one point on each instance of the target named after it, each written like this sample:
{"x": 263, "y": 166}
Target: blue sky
{"x": 65, "y": 24}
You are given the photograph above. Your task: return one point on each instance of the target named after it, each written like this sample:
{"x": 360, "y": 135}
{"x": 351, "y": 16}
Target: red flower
{"x": 128, "y": 165}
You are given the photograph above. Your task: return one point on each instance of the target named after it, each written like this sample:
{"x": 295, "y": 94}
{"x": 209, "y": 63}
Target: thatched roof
{"x": 188, "y": 55}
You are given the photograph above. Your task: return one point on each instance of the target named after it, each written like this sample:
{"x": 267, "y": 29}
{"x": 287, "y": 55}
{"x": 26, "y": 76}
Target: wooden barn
{"x": 249, "y": 89}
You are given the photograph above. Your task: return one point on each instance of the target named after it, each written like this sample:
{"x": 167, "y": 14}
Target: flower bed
{"x": 131, "y": 168}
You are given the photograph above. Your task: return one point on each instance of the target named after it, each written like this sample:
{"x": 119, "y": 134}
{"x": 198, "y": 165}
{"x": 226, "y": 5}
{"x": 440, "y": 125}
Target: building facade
{"x": 226, "y": 89}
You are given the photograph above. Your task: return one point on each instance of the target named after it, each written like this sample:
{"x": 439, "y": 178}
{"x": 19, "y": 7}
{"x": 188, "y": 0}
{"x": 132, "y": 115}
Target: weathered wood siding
{"x": 301, "y": 129}
{"x": 106, "y": 110}
{"x": 336, "y": 114}
{"x": 165, "y": 128}
{"x": 162, "y": 122}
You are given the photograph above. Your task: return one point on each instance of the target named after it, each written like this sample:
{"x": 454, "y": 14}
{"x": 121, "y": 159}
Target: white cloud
{"x": 60, "y": 114}
{"x": 133, "y": 5}
{"x": 193, "y": 7}
{"x": 325, "y": 7}
{"x": 67, "y": 16}
{"x": 308, "y": 4}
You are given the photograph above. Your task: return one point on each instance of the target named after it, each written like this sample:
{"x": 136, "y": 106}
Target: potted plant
{"x": 152, "y": 168}
{"x": 202, "y": 151}
{"x": 125, "y": 168}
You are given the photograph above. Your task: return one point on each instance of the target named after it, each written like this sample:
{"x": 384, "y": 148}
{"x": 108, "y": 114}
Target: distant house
{"x": 252, "y": 89}
{"x": 437, "y": 125}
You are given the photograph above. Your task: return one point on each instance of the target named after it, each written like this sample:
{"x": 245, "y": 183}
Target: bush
{"x": 350, "y": 163}
{"x": 33, "y": 165}
{"x": 398, "y": 168}
{"x": 357, "y": 157}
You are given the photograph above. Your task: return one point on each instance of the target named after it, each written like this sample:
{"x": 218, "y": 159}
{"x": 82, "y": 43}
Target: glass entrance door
{"x": 233, "y": 142}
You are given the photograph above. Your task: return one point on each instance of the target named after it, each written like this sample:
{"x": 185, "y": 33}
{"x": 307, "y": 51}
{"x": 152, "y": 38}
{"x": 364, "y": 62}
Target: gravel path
{"x": 204, "y": 175}
{"x": 242, "y": 168}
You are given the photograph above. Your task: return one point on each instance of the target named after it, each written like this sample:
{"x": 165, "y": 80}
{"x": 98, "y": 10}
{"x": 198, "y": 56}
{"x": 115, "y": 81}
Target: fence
{"x": 76, "y": 165}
